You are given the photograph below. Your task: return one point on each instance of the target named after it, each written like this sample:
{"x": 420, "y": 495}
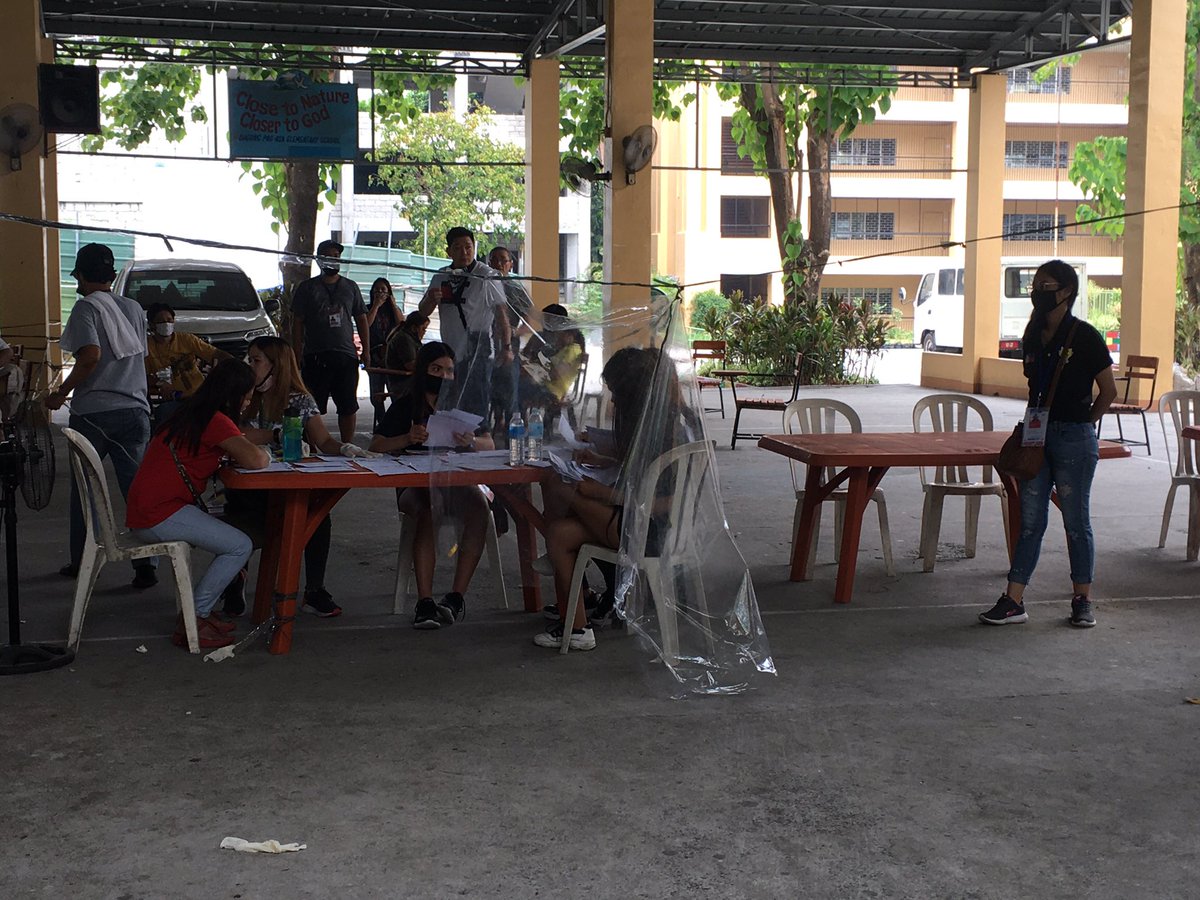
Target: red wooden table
{"x": 300, "y": 500}
{"x": 863, "y": 459}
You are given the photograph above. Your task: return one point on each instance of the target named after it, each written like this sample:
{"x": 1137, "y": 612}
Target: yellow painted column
{"x": 983, "y": 217}
{"x": 541, "y": 180}
{"x": 27, "y": 293}
{"x": 1156, "y": 70}
{"x": 629, "y": 47}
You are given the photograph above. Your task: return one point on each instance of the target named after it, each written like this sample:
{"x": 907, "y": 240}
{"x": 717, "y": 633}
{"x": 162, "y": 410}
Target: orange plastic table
{"x": 863, "y": 460}
{"x": 300, "y": 500}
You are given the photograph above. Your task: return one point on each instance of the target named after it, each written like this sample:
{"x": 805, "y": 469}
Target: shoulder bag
{"x": 1021, "y": 462}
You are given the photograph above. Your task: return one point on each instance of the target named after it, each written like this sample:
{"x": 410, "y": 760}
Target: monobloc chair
{"x": 689, "y": 464}
{"x": 114, "y": 545}
{"x": 954, "y": 412}
{"x": 1184, "y": 407}
{"x": 818, "y": 416}
{"x": 404, "y": 560}
{"x": 710, "y": 351}
{"x": 1138, "y": 369}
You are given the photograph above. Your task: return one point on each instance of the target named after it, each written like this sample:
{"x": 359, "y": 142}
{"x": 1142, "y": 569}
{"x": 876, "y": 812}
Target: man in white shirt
{"x": 107, "y": 336}
{"x": 469, "y": 297}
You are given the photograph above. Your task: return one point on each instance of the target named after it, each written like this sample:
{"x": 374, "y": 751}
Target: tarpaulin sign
{"x": 273, "y": 120}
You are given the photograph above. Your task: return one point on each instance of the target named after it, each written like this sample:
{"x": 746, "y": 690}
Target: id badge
{"x": 335, "y": 319}
{"x": 1036, "y": 421}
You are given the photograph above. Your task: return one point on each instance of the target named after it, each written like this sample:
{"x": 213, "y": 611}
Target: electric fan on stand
{"x": 27, "y": 464}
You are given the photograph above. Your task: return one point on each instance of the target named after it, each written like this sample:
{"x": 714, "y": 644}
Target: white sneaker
{"x": 543, "y": 566}
{"x": 581, "y": 639}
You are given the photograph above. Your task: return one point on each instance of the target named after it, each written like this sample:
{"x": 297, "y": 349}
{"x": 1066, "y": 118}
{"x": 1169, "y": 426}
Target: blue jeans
{"x": 230, "y": 547}
{"x": 121, "y": 434}
{"x": 1071, "y": 455}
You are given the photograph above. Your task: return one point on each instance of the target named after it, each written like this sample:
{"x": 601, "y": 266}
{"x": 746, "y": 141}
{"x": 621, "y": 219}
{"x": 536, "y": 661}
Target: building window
{"x": 862, "y": 226}
{"x": 864, "y": 152}
{"x": 746, "y": 217}
{"x": 1035, "y": 154}
{"x": 1021, "y": 81}
{"x": 879, "y": 298}
{"x": 1033, "y": 227}
{"x": 750, "y": 286}
{"x": 731, "y": 163}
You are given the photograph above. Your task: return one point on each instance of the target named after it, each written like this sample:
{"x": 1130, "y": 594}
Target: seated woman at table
{"x": 278, "y": 386}
{"x": 164, "y": 499}
{"x": 550, "y": 363}
{"x": 590, "y": 512}
{"x": 403, "y": 429}
{"x": 1071, "y": 448}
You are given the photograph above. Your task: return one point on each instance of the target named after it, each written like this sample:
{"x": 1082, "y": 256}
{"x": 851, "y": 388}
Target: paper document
{"x": 387, "y": 465}
{"x": 274, "y": 466}
{"x": 324, "y": 464}
{"x": 443, "y": 426}
{"x": 564, "y": 463}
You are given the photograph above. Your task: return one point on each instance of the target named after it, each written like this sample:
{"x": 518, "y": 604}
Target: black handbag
{"x": 1021, "y": 462}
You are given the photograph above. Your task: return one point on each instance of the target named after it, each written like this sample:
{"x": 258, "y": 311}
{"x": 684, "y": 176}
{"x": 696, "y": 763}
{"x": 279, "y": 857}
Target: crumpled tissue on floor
{"x": 271, "y": 846}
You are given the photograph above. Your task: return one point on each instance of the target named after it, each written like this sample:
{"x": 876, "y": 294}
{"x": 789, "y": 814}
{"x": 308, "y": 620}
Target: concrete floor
{"x": 902, "y": 750}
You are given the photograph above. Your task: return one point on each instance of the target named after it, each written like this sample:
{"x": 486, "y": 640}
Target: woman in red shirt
{"x": 163, "y": 502}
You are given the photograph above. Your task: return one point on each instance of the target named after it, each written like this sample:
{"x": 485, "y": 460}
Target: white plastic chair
{"x": 115, "y": 545}
{"x": 404, "y": 567}
{"x": 954, "y": 412}
{"x": 817, "y": 416}
{"x": 692, "y": 463}
{"x": 1184, "y": 407}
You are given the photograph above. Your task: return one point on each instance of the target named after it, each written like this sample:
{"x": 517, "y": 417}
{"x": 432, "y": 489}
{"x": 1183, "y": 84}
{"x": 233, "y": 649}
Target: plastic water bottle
{"x": 292, "y": 433}
{"x": 537, "y": 432}
{"x": 516, "y": 440}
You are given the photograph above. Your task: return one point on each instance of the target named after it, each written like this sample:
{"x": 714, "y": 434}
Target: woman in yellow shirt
{"x": 173, "y": 360}
{"x": 552, "y": 362}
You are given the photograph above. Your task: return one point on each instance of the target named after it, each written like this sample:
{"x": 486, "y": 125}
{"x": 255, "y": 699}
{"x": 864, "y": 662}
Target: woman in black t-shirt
{"x": 1071, "y": 447}
{"x": 403, "y": 429}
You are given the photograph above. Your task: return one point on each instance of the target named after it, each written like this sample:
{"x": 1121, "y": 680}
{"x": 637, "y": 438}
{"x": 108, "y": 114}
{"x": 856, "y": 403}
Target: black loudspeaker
{"x": 69, "y": 97}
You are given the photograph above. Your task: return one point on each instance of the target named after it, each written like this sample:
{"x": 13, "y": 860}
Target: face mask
{"x": 433, "y": 384}
{"x": 330, "y": 269}
{"x": 1045, "y": 301}
{"x": 164, "y": 329}
{"x": 267, "y": 383}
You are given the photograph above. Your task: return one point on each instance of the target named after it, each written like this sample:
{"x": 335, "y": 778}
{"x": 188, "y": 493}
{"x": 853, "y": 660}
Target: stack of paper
{"x": 443, "y": 426}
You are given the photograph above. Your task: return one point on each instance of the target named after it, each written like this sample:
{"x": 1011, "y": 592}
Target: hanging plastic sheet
{"x": 608, "y": 406}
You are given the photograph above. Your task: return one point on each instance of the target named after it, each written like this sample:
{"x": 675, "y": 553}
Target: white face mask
{"x": 266, "y": 384}
{"x": 164, "y": 329}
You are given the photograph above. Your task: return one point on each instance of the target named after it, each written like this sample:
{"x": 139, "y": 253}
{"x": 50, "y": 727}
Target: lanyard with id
{"x": 1037, "y": 417}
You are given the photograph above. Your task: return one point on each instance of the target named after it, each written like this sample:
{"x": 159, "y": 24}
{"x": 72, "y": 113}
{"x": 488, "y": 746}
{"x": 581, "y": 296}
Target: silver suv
{"x": 212, "y": 300}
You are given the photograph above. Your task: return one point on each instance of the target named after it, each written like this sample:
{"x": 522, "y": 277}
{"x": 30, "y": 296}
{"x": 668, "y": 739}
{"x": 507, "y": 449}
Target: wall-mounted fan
{"x": 20, "y": 132}
{"x": 638, "y": 149}
{"x": 578, "y": 174}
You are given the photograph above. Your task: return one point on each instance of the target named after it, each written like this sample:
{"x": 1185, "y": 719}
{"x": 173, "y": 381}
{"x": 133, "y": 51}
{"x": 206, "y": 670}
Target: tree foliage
{"x": 434, "y": 197}
{"x": 778, "y": 124}
{"x": 583, "y": 111}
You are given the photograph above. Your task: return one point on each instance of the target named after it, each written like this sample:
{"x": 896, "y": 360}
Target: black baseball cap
{"x": 326, "y": 247}
{"x": 95, "y": 262}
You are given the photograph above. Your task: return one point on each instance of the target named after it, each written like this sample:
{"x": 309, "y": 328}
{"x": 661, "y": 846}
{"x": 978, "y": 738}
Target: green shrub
{"x": 703, "y": 305}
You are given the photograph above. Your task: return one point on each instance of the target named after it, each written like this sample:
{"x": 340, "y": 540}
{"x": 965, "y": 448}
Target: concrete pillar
{"x": 541, "y": 180}
{"x": 1156, "y": 72}
{"x": 29, "y": 270}
{"x": 983, "y": 216}
{"x": 629, "y": 47}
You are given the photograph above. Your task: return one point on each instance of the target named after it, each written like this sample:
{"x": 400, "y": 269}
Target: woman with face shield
{"x": 173, "y": 361}
{"x": 1065, "y": 358}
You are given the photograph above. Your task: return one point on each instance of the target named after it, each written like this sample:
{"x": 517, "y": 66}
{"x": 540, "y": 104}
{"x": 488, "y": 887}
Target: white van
{"x": 212, "y": 300}
{"x": 938, "y": 308}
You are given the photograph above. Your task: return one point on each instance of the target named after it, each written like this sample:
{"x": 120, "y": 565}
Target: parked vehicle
{"x": 212, "y": 300}
{"x": 938, "y": 309}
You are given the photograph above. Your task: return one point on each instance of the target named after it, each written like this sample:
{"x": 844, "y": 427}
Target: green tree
{"x": 777, "y": 125}
{"x": 488, "y": 199}
{"x": 1099, "y": 169}
{"x": 140, "y": 98}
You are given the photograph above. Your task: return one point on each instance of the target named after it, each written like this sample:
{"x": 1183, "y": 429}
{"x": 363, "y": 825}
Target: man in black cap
{"x": 107, "y": 336}
{"x": 325, "y": 312}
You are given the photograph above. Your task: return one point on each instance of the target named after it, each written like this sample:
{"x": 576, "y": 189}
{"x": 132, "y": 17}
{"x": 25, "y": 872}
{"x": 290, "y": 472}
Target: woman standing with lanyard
{"x": 1064, "y": 357}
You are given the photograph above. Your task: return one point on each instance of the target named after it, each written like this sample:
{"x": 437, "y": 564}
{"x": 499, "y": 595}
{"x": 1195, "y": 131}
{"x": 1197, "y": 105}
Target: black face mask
{"x": 1045, "y": 301}
{"x": 433, "y": 384}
